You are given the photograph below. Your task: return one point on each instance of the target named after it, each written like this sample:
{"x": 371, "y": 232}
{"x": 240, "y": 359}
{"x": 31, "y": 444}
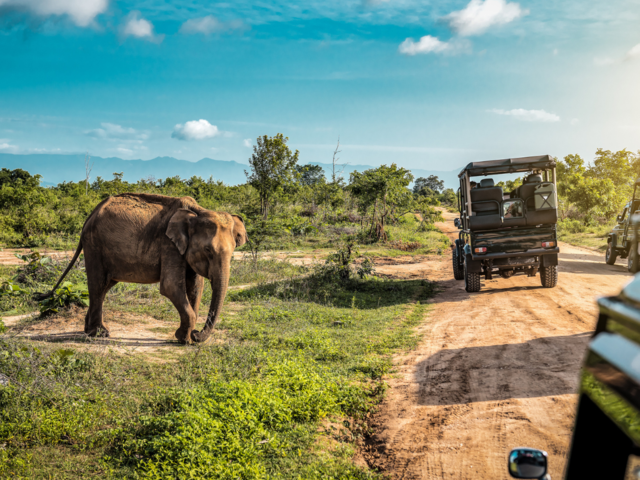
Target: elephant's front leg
{"x": 195, "y": 287}
{"x": 176, "y": 291}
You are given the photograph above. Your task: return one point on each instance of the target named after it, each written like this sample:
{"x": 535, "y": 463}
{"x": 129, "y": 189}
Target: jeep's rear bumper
{"x": 529, "y": 253}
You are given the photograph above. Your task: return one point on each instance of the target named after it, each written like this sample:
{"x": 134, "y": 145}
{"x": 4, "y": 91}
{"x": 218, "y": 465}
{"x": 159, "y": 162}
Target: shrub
{"x": 235, "y": 429}
{"x": 38, "y": 269}
{"x": 63, "y": 298}
{"x": 571, "y": 226}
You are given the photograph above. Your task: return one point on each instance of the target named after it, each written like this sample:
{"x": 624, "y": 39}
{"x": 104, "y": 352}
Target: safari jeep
{"x": 507, "y": 233}
{"x": 621, "y": 236}
{"x": 606, "y": 434}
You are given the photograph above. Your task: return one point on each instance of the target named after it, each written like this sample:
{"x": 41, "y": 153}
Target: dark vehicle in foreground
{"x": 507, "y": 233}
{"x": 620, "y": 238}
{"x": 606, "y": 434}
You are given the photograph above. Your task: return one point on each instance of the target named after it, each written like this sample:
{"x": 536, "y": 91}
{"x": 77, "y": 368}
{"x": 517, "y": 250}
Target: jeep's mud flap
{"x": 550, "y": 260}
{"x": 473, "y": 266}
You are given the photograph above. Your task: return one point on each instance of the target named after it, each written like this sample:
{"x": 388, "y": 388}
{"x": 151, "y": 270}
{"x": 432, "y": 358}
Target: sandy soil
{"x": 8, "y": 255}
{"x": 495, "y": 370}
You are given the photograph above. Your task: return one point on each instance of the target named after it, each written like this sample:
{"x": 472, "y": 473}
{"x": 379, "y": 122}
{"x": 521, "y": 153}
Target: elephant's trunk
{"x": 219, "y": 285}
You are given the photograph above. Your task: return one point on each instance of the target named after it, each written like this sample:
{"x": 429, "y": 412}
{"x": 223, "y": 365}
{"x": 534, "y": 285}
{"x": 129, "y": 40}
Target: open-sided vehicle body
{"x": 507, "y": 233}
{"x": 620, "y": 238}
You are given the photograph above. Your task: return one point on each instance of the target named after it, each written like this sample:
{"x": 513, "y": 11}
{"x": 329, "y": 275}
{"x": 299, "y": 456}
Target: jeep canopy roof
{"x": 508, "y": 165}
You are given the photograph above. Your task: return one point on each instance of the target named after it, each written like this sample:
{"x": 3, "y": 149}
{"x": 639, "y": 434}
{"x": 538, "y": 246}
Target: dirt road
{"x": 495, "y": 370}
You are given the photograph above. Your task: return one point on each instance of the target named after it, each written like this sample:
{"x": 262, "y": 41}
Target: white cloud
{"x": 195, "y": 130}
{"x": 81, "y": 12}
{"x": 113, "y": 131}
{"x": 210, "y": 24}
{"x": 7, "y": 147}
{"x": 555, "y": 51}
{"x": 528, "y": 115}
{"x": 574, "y": 121}
{"x": 603, "y": 61}
{"x": 478, "y": 16}
{"x": 138, "y": 27}
{"x": 633, "y": 53}
{"x": 429, "y": 44}
{"x": 247, "y": 143}
{"x": 124, "y": 151}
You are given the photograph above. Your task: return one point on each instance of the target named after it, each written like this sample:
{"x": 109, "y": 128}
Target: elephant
{"x": 144, "y": 238}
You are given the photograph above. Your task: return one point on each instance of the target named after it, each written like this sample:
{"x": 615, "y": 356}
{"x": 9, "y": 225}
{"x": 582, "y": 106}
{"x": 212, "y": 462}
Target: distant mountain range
{"x": 60, "y": 168}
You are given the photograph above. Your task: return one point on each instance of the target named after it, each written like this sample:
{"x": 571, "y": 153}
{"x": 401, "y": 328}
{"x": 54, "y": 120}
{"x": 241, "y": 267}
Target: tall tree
{"x": 272, "y": 169}
{"x": 432, "y": 183}
{"x": 383, "y": 192}
{"x": 310, "y": 175}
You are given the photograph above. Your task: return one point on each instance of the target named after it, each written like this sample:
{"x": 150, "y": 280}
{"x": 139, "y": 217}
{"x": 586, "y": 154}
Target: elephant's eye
{"x": 209, "y": 249}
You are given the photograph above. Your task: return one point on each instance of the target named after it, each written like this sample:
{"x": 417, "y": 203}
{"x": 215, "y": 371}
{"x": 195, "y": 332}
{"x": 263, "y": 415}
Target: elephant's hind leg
{"x": 93, "y": 323}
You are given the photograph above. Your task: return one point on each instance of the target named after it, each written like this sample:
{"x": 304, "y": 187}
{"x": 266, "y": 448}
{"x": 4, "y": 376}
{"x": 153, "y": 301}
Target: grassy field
{"x": 283, "y": 390}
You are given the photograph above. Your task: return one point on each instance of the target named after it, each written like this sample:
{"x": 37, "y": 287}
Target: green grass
{"x": 300, "y": 350}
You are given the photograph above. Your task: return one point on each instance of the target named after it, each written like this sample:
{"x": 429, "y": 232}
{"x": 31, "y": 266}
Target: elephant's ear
{"x": 178, "y": 229}
{"x": 239, "y": 232}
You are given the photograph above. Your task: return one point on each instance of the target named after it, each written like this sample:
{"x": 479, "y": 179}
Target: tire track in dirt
{"x": 495, "y": 370}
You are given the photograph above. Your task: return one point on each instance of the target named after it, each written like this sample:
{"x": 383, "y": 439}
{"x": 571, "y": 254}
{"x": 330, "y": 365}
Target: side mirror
{"x": 456, "y": 222}
{"x": 528, "y": 463}
{"x": 619, "y": 218}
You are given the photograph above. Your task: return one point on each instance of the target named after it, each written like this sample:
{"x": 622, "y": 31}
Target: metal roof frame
{"x": 508, "y": 165}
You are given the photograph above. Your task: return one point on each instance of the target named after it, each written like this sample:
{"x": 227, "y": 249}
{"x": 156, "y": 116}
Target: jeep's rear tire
{"x": 471, "y": 280}
{"x": 611, "y": 255}
{"x": 549, "y": 276}
{"x": 458, "y": 270}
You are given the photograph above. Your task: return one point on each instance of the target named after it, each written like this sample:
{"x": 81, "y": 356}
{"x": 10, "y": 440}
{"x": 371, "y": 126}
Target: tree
{"x": 310, "y": 175}
{"x": 432, "y": 182}
{"x": 383, "y": 192}
{"x": 617, "y": 166}
{"x": 272, "y": 169}
{"x": 591, "y": 189}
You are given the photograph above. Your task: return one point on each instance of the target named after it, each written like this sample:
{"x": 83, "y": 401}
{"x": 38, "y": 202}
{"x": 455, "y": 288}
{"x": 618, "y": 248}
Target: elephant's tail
{"x": 42, "y": 296}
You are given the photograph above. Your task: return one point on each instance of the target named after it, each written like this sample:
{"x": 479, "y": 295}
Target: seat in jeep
{"x": 528, "y": 194}
{"x": 485, "y": 206}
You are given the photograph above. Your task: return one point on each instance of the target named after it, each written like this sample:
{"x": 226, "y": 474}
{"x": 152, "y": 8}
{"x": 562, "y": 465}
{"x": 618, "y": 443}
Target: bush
{"x": 63, "y": 298}
{"x": 236, "y": 429}
{"x": 571, "y": 226}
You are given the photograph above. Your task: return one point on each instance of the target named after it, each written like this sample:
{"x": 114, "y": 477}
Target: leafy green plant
{"x": 345, "y": 261}
{"x": 38, "y": 268}
{"x": 63, "y": 298}
{"x": 10, "y": 288}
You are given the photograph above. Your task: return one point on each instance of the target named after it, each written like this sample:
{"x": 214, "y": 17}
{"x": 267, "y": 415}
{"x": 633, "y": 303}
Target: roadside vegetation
{"x": 285, "y": 386}
{"x": 283, "y": 390}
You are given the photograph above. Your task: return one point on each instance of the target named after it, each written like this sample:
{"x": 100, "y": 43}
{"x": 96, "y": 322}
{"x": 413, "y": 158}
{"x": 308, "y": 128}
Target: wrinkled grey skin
{"x": 140, "y": 238}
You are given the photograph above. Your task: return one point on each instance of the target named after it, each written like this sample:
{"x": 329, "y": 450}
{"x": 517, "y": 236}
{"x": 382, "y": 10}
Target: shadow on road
{"x": 81, "y": 337}
{"x": 537, "y": 368}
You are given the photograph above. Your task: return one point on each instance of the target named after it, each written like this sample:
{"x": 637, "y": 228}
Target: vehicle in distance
{"x": 507, "y": 233}
{"x": 620, "y": 238}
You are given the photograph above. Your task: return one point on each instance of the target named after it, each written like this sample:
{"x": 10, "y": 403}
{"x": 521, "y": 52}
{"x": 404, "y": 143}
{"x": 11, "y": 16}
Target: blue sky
{"x": 424, "y": 84}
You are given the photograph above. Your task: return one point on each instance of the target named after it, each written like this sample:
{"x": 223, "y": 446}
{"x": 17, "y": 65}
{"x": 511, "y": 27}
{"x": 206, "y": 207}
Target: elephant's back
{"x": 127, "y": 225}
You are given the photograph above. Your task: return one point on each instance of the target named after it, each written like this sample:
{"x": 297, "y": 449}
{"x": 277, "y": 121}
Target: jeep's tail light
{"x": 480, "y": 250}
{"x": 548, "y": 244}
